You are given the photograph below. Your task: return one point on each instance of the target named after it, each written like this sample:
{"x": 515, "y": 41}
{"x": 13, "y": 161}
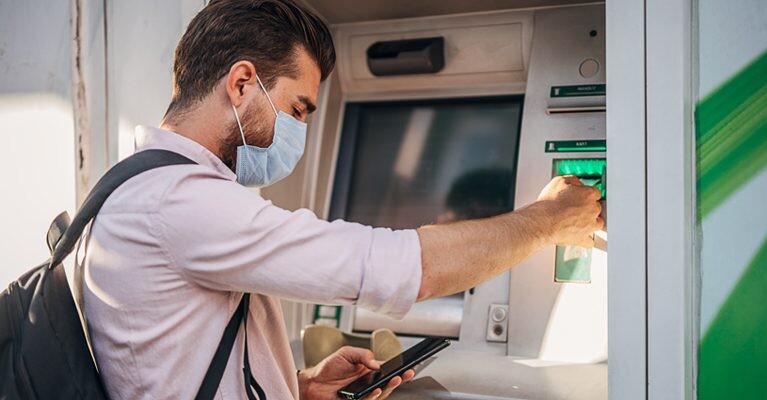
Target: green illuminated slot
{"x": 588, "y": 170}
{"x": 572, "y": 264}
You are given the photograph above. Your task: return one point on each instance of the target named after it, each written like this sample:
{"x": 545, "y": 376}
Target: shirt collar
{"x": 150, "y": 137}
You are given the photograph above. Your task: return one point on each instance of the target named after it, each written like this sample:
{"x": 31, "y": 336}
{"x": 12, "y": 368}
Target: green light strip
{"x": 576, "y": 146}
{"x": 582, "y": 149}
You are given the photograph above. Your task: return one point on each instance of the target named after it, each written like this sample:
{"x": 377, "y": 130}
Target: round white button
{"x": 499, "y": 314}
{"x": 589, "y": 67}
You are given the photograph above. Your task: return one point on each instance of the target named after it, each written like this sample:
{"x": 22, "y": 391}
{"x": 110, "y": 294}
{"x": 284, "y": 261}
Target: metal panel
{"x": 670, "y": 199}
{"x": 558, "y": 321}
{"x": 626, "y": 214}
{"x": 482, "y": 50}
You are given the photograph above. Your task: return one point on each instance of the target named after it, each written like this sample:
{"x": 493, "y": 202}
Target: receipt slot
{"x": 573, "y": 263}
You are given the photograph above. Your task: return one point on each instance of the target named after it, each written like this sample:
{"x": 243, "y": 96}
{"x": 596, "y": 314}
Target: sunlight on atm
{"x": 577, "y": 327}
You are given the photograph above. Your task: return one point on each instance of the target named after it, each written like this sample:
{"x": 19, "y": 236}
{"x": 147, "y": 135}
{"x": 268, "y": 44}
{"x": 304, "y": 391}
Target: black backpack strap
{"x": 250, "y": 382}
{"x": 116, "y": 176}
{"x": 221, "y": 357}
{"x": 217, "y": 366}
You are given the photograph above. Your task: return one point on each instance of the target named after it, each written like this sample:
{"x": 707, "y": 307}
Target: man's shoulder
{"x": 146, "y": 192}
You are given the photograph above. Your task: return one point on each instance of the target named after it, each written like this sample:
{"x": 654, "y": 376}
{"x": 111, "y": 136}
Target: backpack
{"x": 44, "y": 352}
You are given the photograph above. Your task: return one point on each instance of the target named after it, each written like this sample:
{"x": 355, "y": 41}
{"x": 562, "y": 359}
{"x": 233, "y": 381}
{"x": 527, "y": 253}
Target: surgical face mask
{"x": 259, "y": 166}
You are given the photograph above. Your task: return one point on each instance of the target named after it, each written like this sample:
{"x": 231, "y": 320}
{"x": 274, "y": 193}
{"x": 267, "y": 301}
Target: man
{"x": 174, "y": 249}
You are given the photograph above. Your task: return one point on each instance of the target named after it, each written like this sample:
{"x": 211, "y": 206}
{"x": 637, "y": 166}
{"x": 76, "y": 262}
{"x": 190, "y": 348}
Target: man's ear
{"x": 240, "y": 79}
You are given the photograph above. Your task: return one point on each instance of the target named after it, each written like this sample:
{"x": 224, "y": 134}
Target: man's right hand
{"x": 573, "y": 210}
{"x": 463, "y": 254}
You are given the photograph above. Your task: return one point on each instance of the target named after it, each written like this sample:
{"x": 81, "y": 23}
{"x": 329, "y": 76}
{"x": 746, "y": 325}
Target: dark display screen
{"x": 406, "y": 164}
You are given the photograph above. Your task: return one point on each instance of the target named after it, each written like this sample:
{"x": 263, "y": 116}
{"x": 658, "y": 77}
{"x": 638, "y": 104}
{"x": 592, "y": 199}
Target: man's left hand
{"x": 341, "y": 368}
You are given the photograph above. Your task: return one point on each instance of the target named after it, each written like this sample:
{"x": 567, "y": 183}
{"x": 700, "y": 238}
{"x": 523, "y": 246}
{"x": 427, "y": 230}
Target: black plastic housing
{"x": 405, "y": 57}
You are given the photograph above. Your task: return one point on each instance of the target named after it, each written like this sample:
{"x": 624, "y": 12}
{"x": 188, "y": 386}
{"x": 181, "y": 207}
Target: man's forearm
{"x": 461, "y": 255}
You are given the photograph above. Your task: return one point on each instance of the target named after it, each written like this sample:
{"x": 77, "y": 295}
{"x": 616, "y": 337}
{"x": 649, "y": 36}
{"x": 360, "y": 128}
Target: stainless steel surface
{"x": 548, "y": 320}
{"x": 469, "y": 375}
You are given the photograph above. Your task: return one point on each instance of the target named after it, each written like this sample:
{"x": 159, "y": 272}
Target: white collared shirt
{"x": 172, "y": 251}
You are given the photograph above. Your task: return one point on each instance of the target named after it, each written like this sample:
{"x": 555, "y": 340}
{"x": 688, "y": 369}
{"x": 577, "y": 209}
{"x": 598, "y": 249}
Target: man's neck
{"x": 198, "y": 127}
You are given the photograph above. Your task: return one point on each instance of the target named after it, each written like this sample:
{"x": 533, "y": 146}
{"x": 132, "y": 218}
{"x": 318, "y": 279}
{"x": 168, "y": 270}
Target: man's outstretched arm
{"x": 461, "y": 255}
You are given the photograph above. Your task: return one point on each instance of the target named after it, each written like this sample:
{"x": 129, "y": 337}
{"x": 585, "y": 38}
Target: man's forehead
{"x": 308, "y": 81}
{"x": 308, "y": 70}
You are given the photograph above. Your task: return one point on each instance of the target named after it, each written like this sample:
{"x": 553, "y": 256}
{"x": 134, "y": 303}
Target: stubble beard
{"x": 258, "y": 132}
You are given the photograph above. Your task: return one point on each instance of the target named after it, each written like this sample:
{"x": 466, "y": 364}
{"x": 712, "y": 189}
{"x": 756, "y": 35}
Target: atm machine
{"x": 447, "y": 117}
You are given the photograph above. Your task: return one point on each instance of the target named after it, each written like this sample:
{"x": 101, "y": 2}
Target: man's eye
{"x": 296, "y": 112}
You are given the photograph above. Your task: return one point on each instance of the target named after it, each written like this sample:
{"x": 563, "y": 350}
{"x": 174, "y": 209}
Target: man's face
{"x": 296, "y": 97}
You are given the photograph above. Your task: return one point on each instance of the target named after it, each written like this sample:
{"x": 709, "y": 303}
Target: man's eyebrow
{"x": 310, "y": 107}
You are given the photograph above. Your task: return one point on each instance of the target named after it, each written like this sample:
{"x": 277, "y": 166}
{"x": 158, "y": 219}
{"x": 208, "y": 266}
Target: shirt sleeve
{"x": 222, "y": 236}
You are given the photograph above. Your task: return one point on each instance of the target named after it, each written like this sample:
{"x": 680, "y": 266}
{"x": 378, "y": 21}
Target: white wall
{"x": 37, "y": 163}
{"x": 142, "y": 37}
{"x": 731, "y": 34}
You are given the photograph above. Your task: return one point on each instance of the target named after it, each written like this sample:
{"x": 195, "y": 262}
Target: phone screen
{"x": 396, "y": 366}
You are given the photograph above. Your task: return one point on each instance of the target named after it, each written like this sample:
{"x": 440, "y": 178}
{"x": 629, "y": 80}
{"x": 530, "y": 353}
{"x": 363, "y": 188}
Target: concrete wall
{"x": 37, "y": 155}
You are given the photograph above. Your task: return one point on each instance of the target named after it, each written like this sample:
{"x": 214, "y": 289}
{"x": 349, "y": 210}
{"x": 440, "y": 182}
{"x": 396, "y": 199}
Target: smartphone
{"x": 394, "y": 367}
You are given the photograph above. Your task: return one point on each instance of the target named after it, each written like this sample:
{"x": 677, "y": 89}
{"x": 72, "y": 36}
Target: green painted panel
{"x": 731, "y": 146}
{"x": 733, "y": 353}
{"x": 731, "y": 125}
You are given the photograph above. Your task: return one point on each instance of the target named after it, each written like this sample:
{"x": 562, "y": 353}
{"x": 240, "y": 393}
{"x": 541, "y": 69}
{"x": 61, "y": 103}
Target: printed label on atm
{"x": 578, "y": 90}
{"x": 575, "y": 146}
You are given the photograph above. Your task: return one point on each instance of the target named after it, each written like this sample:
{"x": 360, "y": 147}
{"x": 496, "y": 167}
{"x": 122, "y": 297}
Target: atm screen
{"x": 409, "y": 163}
{"x": 405, "y": 164}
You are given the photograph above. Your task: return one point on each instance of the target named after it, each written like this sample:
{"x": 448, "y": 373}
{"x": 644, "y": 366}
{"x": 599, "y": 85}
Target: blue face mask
{"x": 259, "y": 166}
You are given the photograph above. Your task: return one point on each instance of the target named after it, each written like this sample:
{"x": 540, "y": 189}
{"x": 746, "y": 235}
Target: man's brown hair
{"x": 264, "y": 32}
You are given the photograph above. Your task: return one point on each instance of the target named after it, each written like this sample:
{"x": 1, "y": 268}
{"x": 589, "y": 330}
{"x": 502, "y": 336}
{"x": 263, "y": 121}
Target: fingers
{"x": 594, "y": 193}
{"x": 396, "y": 381}
{"x": 587, "y": 242}
{"x": 358, "y": 355}
{"x": 600, "y": 224}
{"x": 380, "y": 394}
{"x": 374, "y": 395}
{"x": 572, "y": 180}
{"x": 408, "y": 375}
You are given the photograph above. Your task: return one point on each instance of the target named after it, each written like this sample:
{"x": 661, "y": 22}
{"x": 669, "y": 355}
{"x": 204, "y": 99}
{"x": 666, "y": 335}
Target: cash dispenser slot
{"x": 575, "y": 109}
